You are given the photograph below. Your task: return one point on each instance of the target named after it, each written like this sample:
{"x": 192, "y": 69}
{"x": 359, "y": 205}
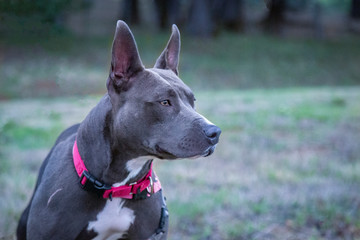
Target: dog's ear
{"x": 169, "y": 58}
{"x": 125, "y": 60}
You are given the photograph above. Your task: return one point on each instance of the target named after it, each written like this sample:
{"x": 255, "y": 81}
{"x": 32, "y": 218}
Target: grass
{"x": 287, "y": 165}
{"x": 23, "y": 136}
{"x": 68, "y": 65}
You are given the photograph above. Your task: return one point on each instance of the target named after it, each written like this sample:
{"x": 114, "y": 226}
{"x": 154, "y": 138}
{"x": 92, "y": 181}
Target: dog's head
{"x": 152, "y": 109}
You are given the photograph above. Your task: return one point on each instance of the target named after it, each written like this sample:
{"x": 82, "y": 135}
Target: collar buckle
{"x": 89, "y": 183}
{"x": 146, "y": 193}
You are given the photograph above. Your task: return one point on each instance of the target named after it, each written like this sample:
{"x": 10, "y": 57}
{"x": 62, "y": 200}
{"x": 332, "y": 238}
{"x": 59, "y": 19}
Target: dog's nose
{"x": 213, "y": 133}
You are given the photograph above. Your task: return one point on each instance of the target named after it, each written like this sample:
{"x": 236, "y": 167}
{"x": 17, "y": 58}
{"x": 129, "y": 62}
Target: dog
{"x": 97, "y": 182}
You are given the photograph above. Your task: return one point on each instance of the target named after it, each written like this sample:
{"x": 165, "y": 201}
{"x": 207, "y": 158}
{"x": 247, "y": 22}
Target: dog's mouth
{"x": 209, "y": 151}
{"x": 163, "y": 154}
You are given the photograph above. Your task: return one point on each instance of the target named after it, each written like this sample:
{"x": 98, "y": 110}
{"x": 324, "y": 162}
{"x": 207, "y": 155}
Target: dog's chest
{"x": 113, "y": 221}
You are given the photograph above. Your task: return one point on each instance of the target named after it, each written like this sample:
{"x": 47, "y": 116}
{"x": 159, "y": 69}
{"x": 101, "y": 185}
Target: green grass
{"x": 25, "y": 137}
{"x": 62, "y": 64}
{"x": 329, "y": 217}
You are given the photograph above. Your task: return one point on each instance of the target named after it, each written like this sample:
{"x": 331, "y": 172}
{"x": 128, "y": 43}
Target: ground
{"x": 287, "y": 165}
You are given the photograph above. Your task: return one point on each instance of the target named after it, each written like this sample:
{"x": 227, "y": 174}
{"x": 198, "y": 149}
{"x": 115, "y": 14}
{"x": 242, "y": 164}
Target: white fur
{"x": 134, "y": 166}
{"x": 113, "y": 221}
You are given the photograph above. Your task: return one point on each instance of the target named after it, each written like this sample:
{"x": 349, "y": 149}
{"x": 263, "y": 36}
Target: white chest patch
{"x": 113, "y": 221}
{"x": 133, "y": 166}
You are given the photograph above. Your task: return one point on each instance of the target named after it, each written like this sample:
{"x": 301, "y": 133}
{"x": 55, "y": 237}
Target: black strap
{"x": 164, "y": 217}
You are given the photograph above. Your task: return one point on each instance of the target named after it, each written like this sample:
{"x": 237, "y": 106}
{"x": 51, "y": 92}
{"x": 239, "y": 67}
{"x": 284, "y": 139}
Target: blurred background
{"x": 280, "y": 77}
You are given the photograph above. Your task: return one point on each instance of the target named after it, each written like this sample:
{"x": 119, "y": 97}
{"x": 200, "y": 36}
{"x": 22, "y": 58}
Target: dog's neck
{"x": 107, "y": 162}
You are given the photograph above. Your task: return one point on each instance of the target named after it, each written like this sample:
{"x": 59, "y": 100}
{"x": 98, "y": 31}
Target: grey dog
{"x": 97, "y": 181}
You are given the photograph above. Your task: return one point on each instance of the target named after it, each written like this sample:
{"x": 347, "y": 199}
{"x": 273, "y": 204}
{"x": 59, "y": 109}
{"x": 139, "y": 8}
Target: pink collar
{"x": 142, "y": 189}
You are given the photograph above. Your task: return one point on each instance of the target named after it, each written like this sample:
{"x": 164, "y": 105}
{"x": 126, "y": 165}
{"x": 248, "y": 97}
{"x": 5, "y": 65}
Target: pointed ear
{"x": 125, "y": 60}
{"x": 169, "y": 58}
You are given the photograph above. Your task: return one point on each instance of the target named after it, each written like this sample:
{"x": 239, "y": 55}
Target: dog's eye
{"x": 165, "y": 103}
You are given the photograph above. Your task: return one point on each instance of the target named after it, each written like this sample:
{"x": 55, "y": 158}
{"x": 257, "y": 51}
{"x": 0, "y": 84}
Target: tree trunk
{"x": 355, "y": 9}
{"x": 200, "y": 19}
{"x": 167, "y": 12}
{"x": 130, "y": 12}
{"x": 229, "y": 14}
{"x": 275, "y": 18}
